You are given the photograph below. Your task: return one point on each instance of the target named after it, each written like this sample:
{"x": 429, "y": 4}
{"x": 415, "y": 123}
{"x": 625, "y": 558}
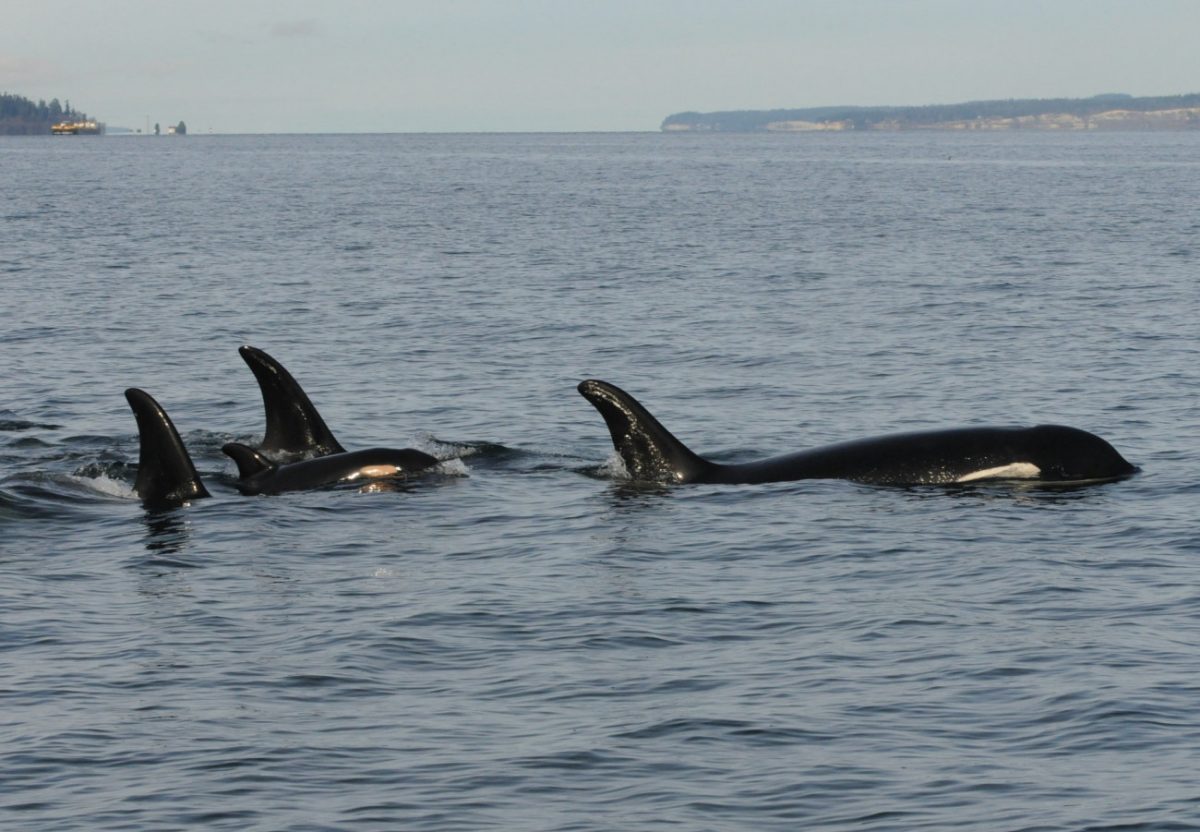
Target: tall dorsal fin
{"x": 649, "y": 451}
{"x": 249, "y": 461}
{"x": 166, "y": 476}
{"x": 294, "y": 427}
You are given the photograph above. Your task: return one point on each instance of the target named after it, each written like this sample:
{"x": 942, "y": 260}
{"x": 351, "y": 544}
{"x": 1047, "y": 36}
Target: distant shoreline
{"x": 1101, "y": 112}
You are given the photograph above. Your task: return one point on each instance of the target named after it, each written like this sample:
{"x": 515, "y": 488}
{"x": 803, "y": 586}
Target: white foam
{"x": 452, "y": 468}
{"x": 104, "y": 484}
{"x": 614, "y": 468}
{"x": 435, "y": 447}
{"x": 1012, "y": 471}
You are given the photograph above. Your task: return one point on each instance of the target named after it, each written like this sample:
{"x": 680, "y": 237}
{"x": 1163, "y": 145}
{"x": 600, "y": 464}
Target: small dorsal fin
{"x": 166, "y": 476}
{"x": 649, "y": 451}
{"x": 294, "y": 427}
{"x": 249, "y": 461}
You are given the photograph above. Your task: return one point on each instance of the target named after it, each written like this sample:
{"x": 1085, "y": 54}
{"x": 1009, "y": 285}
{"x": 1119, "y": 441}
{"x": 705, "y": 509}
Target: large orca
{"x": 166, "y": 476}
{"x": 295, "y": 430}
{"x": 260, "y": 475}
{"x": 1046, "y": 453}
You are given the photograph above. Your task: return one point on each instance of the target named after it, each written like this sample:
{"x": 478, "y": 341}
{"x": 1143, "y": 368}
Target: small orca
{"x": 1046, "y": 453}
{"x": 166, "y": 476}
{"x": 259, "y": 475}
{"x": 295, "y": 430}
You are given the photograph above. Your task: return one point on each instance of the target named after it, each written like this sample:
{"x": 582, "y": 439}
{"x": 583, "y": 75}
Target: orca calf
{"x": 1046, "y": 453}
{"x": 166, "y": 476}
{"x": 259, "y": 475}
{"x": 295, "y": 430}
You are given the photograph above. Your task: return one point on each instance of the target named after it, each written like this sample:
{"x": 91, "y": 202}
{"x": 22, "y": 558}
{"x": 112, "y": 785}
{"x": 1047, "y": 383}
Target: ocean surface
{"x": 523, "y": 640}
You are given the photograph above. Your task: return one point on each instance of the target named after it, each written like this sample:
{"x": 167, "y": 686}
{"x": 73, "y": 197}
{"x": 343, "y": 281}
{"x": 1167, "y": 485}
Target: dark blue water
{"x": 523, "y": 641}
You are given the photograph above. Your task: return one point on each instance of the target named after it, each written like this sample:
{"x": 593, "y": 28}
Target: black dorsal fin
{"x": 649, "y": 451}
{"x": 249, "y": 461}
{"x": 166, "y": 476}
{"x": 294, "y": 427}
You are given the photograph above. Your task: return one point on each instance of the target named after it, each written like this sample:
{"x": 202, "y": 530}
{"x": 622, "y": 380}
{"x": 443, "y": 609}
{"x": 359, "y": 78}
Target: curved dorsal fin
{"x": 649, "y": 451}
{"x": 294, "y": 427}
{"x": 249, "y": 461}
{"x": 166, "y": 476}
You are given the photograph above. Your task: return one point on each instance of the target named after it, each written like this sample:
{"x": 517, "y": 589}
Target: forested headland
{"x": 1112, "y": 111}
{"x": 19, "y": 116}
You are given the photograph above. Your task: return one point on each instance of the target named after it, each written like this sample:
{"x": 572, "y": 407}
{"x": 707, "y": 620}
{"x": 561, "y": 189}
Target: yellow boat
{"x": 76, "y": 128}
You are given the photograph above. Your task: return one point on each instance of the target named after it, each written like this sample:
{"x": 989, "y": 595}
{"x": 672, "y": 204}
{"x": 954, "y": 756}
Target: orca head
{"x": 1066, "y": 454}
{"x": 389, "y": 462}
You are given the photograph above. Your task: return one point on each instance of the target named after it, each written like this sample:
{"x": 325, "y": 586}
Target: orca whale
{"x": 295, "y": 430}
{"x": 1046, "y": 453}
{"x": 260, "y": 475}
{"x": 304, "y": 450}
{"x": 166, "y": 476}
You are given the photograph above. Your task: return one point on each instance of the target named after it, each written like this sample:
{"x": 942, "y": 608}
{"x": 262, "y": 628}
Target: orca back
{"x": 259, "y": 475}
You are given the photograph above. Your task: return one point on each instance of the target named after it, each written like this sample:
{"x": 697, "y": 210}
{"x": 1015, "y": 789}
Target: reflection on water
{"x": 624, "y": 495}
{"x": 167, "y": 532}
{"x": 386, "y": 485}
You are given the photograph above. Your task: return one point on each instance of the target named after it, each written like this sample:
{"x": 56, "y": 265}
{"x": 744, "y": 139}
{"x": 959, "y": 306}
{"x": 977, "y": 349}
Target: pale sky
{"x": 316, "y": 66}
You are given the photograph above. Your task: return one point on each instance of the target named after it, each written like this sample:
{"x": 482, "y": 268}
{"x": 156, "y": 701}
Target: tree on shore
{"x": 21, "y": 116}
